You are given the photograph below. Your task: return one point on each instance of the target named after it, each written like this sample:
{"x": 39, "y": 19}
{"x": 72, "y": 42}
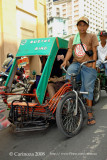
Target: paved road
{"x": 50, "y": 144}
{"x": 10, "y": 98}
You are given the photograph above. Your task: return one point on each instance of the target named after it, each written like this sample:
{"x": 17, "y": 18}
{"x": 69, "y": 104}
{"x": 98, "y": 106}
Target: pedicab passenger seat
{"x": 30, "y": 104}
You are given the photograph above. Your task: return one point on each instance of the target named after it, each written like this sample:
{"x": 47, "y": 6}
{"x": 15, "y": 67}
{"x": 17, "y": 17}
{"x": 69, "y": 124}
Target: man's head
{"x": 103, "y": 35}
{"x": 83, "y": 19}
{"x": 10, "y": 55}
{"x": 82, "y": 24}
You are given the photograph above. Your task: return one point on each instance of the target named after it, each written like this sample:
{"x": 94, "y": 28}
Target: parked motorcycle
{"x": 22, "y": 76}
{"x": 16, "y": 83}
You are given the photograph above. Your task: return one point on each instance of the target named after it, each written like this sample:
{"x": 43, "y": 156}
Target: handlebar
{"x": 99, "y": 64}
{"x": 3, "y": 73}
{"x": 105, "y": 61}
{"x": 91, "y": 61}
{"x": 81, "y": 65}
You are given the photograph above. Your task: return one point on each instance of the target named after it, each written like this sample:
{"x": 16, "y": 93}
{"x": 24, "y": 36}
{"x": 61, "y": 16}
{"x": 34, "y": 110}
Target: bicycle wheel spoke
{"x": 67, "y": 121}
{"x": 71, "y": 122}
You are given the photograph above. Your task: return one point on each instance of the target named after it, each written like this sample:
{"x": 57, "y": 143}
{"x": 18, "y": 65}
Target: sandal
{"x": 91, "y": 119}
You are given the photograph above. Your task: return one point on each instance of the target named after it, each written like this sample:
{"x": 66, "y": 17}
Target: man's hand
{"x": 64, "y": 64}
{"x": 68, "y": 56}
{"x": 94, "y": 66}
{"x": 56, "y": 79}
{"x": 106, "y": 58}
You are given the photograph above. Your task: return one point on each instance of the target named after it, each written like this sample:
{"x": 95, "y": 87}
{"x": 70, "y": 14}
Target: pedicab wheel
{"x": 69, "y": 123}
{"x": 97, "y": 91}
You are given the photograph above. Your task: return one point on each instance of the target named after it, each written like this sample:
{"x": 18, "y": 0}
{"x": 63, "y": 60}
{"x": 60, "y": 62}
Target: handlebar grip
{"x": 105, "y": 61}
{"x": 91, "y": 61}
{"x": 86, "y": 62}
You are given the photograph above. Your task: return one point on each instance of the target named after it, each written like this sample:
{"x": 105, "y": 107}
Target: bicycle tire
{"x": 70, "y": 128}
{"x": 97, "y": 91}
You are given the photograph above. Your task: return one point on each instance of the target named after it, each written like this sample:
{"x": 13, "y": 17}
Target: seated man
{"x": 35, "y": 82}
{"x": 102, "y": 51}
{"x": 56, "y": 78}
{"x": 8, "y": 62}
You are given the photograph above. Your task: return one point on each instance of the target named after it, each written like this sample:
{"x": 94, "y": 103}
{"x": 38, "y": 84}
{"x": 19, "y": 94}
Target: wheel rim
{"x": 97, "y": 92}
{"x": 70, "y": 122}
{"x": 96, "y": 97}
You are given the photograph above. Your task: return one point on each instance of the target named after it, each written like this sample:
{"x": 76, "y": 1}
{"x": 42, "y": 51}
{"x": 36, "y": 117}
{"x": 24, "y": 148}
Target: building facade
{"x": 105, "y": 16}
{"x": 73, "y": 9}
{"x": 62, "y": 13}
{"x": 57, "y": 27}
{"x": 20, "y": 19}
{"x": 105, "y": 22}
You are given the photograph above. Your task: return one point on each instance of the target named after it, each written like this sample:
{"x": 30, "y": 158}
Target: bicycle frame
{"x": 74, "y": 86}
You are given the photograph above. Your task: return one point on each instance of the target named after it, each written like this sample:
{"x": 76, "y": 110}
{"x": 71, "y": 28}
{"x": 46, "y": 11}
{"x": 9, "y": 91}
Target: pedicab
{"x": 36, "y": 115}
{"x": 66, "y": 107}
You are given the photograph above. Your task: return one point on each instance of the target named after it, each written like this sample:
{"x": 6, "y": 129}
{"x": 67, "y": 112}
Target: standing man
{"x": 78, "y": 46}
{"x": 102, "y": 51}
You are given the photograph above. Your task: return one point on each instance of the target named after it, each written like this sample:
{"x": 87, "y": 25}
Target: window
{"x": 64, "y": 15}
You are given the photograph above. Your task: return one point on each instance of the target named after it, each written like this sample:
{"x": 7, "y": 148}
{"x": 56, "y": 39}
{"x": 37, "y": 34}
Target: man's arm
{"x": 5, "y": 63}
{"x": 94, "y": 56}
{"x": 68, "y": 56}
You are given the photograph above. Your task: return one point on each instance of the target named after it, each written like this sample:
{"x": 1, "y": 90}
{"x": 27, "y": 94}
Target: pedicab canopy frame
{"x": 40, "y": 46}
